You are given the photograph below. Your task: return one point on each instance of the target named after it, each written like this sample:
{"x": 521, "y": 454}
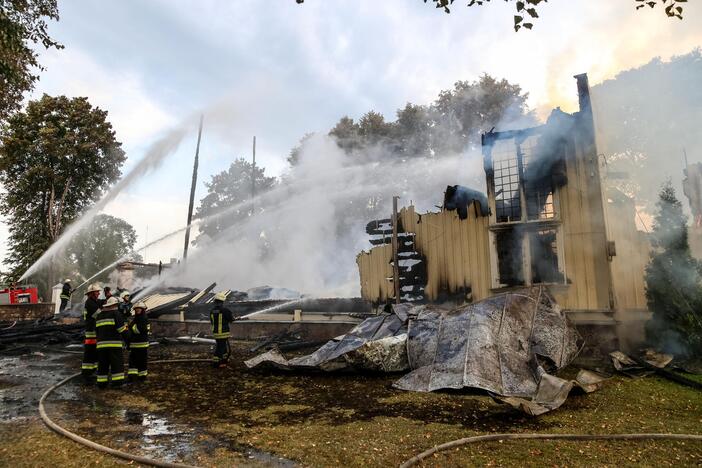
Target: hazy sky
{"x": 283, "y": 69}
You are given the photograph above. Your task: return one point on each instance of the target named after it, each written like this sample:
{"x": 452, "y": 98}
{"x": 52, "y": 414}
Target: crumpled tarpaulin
{"x": 337, "y": 353}
{"x": 508, "y": 345}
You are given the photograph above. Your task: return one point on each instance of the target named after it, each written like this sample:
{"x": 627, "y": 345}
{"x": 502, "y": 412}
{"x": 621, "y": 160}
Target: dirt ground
{"x": 234, "y": 417}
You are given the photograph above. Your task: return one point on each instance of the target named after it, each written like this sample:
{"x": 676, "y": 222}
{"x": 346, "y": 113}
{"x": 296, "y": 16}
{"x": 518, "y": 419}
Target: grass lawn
{"x": 216, "y": 416}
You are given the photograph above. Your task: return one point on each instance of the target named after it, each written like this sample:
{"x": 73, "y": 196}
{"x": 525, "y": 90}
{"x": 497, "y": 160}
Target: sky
{"x": 280, "y": 70}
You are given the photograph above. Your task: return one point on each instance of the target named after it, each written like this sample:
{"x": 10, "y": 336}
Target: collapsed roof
{"x": 508, "y": 345}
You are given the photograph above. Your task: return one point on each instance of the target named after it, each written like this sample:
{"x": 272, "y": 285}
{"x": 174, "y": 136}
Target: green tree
{"x": 229, "y": 193}
{"x": 673, "y": 282}
{"x": 56, "y": 158}
{"x": 452, "y": 123}
{"x": 373, "y": 129}
{"x": 22, "y": 25}
{"x": 294, "y": 156}
{"x": 525, "y": 10}
{"x": 461, "y": 114}
{"x": 346, "y": 133}
{"x": 413, "y": 130}
{"x": 105, "y": 240}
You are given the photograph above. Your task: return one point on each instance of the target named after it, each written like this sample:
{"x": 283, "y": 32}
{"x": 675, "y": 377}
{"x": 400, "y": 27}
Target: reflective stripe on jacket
{"x": 220, "y": 318}
{"x": 139, "y": 328}
{"x": 109, "y": 329}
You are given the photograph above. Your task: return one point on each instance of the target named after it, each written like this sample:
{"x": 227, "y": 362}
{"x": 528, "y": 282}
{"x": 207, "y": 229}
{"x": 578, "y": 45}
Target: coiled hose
{"x": 101, "y": 448}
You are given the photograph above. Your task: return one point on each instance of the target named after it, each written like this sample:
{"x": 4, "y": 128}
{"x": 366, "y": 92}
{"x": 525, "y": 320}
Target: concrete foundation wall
{"x": 252, "y": 329}
{"x": 12, "y": 312}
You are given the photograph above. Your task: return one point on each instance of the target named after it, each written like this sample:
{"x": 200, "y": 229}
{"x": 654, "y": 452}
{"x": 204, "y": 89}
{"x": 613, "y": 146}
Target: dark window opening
{"x": 543, "y": 248}
{"x": 538, "y": 181}
{"x": 509, "y": 257}
{"x": 539, "y": 199}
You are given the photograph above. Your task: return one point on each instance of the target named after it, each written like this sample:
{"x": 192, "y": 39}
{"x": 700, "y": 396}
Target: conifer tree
{"x": 673, "y": 282}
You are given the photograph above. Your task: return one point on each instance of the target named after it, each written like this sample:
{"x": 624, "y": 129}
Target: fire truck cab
{"x": 19, "y": 294}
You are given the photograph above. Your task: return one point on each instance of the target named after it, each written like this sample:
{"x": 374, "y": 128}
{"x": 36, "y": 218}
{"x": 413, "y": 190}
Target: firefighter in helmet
{"x": 220, "y": 318}
{"x": 139, "y": 343}
{"x": 111, "y": 331}
{"x": 125, "y": 305}
{"x": 65, "y": 297}
{"x": 92, "y": 305}
{"x": 107, "y": 291}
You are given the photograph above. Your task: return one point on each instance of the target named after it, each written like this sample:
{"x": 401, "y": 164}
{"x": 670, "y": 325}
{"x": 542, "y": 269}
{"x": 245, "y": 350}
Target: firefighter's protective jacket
{"x": 139, "y": 328}
{"x": 89, "y": 311}
{"x": 126, "y": 309}
{"x": 109, "y": 327}
{"x": 66, "y": 292}
{"x": 220, "y": 318}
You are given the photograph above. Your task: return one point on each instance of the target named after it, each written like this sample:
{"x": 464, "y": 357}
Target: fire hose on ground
{"x": 411, "y": 462}
{"x": 497, "y": 437}
{"x": 101, "y": 448}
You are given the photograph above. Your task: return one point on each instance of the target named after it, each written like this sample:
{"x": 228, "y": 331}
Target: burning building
{"x": 692, "y": 187}
{"x": 547, "y": 219}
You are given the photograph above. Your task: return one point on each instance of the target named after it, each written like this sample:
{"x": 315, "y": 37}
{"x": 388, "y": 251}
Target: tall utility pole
{"x": 395, "y": 248}
{"x": 192, "y": 190}
{"x": 253, "y": 176}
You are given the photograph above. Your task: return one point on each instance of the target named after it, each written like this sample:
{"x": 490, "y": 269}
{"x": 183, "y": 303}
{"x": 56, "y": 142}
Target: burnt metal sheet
{"x": 384, "y": 355}
{"x": 501, "y": 345}
{"x": 331, "y": 355}
{"x": 508, "y": 345}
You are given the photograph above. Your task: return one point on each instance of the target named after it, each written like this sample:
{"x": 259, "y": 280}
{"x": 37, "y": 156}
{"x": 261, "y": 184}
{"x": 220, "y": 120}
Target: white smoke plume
{"x": 151, "y": 161}
{"x": 310, "y": 231}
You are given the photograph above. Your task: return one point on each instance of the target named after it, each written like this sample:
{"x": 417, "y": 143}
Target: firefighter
{"x": 125, "y": 305}
{"x": 108, "y": 294}
{"x": 139, "y": 343}
{"x": 92, "y": 305}
{"x": 65, "y": 295}
{"x": 220, "y": 318}
{"x": 111, "y": 330}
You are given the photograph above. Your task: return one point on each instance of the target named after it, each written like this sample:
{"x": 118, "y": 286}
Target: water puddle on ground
{"x": 171, "y": 442}
{"x": 102, "y": 417}
{"x": 23, "y": 379}
{"x": 159, "y": 437}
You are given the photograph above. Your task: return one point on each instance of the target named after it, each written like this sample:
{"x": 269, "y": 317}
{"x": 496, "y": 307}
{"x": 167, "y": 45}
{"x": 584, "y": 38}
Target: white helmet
{"x": 95, "y": 287}
{"x": 124, "y": 294}
{"x": 111, "y": 303}
{"x": 140, "y": 305}
{"x": 67, "y": 280}
{"x": 221, "y": 296}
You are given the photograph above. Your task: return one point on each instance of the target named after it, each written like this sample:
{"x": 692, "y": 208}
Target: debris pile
{"x": 39, "y": 332}
{"x": 509, "y": 345}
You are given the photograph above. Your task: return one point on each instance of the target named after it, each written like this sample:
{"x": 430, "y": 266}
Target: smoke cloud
{"x": 313, "y": 224}
{"x": 646, "y": 118}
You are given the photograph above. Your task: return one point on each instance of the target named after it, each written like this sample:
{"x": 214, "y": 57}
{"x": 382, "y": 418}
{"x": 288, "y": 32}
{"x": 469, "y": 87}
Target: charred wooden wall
{"x": 456, "y": 251}
{"x": 376, "y": 272}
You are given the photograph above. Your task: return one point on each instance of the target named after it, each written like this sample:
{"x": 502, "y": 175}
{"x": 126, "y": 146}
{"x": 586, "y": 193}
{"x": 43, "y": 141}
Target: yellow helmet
{"x": 95, "y": 287}
{"x": 111, "y": 303}
{"x": 221, "y": 296}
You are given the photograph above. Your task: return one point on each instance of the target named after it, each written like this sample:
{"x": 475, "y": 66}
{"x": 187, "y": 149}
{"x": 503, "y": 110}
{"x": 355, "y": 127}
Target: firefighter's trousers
{"x": 138, "y": 359}
{"x": 90, "y": 358}
{"x": 221, "y": 352}
{"x": 110, "y": 366}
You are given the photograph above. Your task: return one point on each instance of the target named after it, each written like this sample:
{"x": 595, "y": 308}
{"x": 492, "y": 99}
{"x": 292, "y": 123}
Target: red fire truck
{"x": 19, "y": 294}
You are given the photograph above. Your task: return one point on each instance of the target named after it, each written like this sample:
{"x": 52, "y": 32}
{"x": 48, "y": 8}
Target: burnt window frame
{"x": 527, "y": 224}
